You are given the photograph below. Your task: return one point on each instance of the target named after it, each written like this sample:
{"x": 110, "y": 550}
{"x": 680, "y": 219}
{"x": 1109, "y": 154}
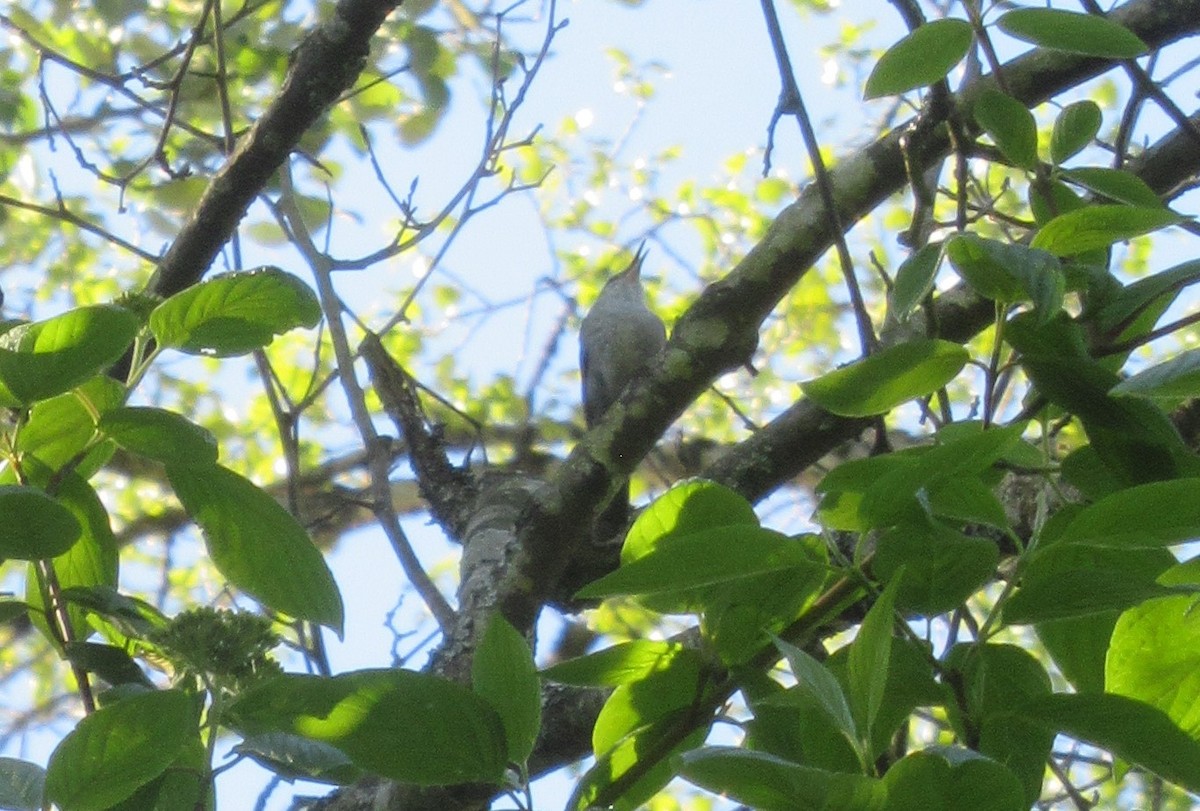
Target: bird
{"x": 617, "y": 339}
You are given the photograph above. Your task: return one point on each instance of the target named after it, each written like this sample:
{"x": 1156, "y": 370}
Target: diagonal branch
{"x": 323, "y": 67}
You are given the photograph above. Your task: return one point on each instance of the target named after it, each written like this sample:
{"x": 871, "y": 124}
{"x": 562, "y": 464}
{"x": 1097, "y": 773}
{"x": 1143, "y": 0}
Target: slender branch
{"x": 791, "y": 102}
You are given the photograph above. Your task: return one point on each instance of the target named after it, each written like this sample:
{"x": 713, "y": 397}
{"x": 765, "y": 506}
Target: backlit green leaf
{"x": 879, "y": 383}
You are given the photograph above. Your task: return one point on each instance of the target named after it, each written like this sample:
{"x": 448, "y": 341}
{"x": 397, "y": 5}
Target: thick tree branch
{"x": 323, "y": 67}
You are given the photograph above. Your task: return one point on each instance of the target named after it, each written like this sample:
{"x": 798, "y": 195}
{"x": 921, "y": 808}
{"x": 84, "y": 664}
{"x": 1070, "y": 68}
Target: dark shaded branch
{"x": 323, "y": 67}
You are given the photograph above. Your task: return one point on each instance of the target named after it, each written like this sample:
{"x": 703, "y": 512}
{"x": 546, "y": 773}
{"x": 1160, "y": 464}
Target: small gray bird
{"x": 617, "y": 339}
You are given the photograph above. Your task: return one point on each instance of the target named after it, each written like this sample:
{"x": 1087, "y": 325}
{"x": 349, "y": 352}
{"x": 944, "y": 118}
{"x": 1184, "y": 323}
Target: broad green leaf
{"x": 257, "y": 544}
{"x": 1077, "y": 594}
{"x": 995, "y": 678}
{"x": 879, "y": 383}
{"x": 159, "y": 434}
{"x": 294, "y": 757}
{"x": 1075, "y": 127}
{"x": 34, "y": 525}
{"x": 914, "y": 280}
{"x": 1117, "y": 184}
{"x": 917, "y": 485}
{"x": 1048, "y": 200}
{"x": 503, "y": 673}
{"x": 1011, "y": 126}
{"x": 1009, "y": 272}
{"x": 921, "y": 58}
{"x": 406, "y": 726}
{"x": 1153, "y": 293}
{"x": 117, "y": 749}
{"x": 186, "y": 784}
{"x": 21, "y": 785}
{"x": 938, "y": 567}
{"x": 1171, "y": 381}
{"x": 910, "y": 684}
{"x": 133, "y": 616}
{"x": 703, "y": 558}
{"x": 1154, "y": 514}
{"x": 791, "y": 724}
{"x": 108, "y": 662}
{"x": 1087, "y": 34}
{"x": 61, "y": 427}
{"x": 47, "y": 358}
{"x": 870, "y": 655}
{"x": 622, "y": 663}
{"x": 638, "y": 704}
{"x": 235, "y": 313}
{"x": 627, "y": 754}
{"x": 643, "y": 716}
{"x": 740, "y": 616}
{"x": 1099, "y": 226}
{"x": 814, "y": 678}
{"x": 688, "y": 507}
{"x": 953, "y": 779}
{"x": 1132, "y": 730}
{"x": 770, "y": 783}
{"x": 91, "y": 561}
{"x": 1154, "y": 655}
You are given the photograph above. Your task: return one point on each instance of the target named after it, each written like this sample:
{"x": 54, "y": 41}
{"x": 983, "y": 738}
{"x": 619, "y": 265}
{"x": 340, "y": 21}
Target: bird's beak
{"x": 638, "y": 257}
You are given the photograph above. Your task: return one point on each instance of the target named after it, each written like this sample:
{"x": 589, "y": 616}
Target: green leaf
{"x": 951, "y": 778}
{"x": 643, "y": 716}
{"x": 910, "y": 684}
{"x": 1130, "y": 729}
{"x": 628, "y": 754}
{"x": 938, "y": 567}
{"x": 1117, "y": 184}
{"x": 1078, "y": 593}
{"x": 1079, "y": 645}
{"x": 706, "y": 558}
{"x": 21, "y": 785}
{"x": 235, "y": 313}
{"x": 1011, "y": 126}
{"x": 1154, "y": 655}
{"x": 622, "y": 663}
{"x": 689, "y": 506}
{"x": 294, "y": 757}
{"x": 1152, "y": 294}
{"x": 133, "y": 616}
{"x": 108, "y": 662}
{"x": 119, "y": 748}
{"x": 503, "y": 673}
{"x": 34, "y": 526}
{"x": 995, "y": 678}
{"x": 186, "y": 783}
{"x": 914, "y": 280}
{"x": 1009, "y": 272}
{"x": 257, "y": 544}
{"x": 46, "y": 358}
{"x": 879, "y": 383}
{"x": 1171, "y": 381}
{"x": 1087, "y": 34}
{"x": 1154, "y": 514}
{"x": 870, "y": 655}
{"x": 159, "y": 434}
{"x": 402, "y": 725}
{"x": 91, "y": 561}
{"x": 1099, "y": 226}
{"x": 1077, "y": 124}
{"x": 59, "y": 428}
{"x": 770, "y": 783}
{"x": 814, "y": 679}
{"x": 930, "y": 476}
{"x": 923, "y": 57}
